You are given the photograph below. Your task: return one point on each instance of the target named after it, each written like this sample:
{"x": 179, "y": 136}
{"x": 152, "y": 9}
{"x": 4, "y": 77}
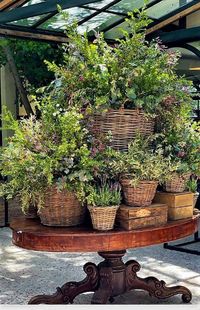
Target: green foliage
{"x": 192, "y": 185}
{"x": 142, "y": 162}
{"x": 182, "y": 143}
{"x": 44, "y": 152}
{"x": 134, "y": 73}
{"x": 107, "y": 194}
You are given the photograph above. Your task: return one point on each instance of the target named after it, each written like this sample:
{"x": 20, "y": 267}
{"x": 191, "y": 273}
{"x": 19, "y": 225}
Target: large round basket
{"x": 124, "y": 125}
{"x": 177, "y": 184}
{"x": 103, "y": 218}
{"x": 61, "y": 208}
{"x": 139, "y": 196}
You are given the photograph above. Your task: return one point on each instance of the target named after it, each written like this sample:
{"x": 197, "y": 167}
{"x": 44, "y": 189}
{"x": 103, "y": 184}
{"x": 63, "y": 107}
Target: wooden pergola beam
{"x": 37, "y": 35}
{"x": 16, "y": 4}
{"x": 5, "y": 3}
{"x": 190, "y": 8}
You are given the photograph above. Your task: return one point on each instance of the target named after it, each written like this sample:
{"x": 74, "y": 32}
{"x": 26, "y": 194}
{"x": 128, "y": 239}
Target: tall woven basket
{"x": 124, "y": 124}
{"x": 177, "y": 184}
{"x": 61, "y": 209}
{"x": 103, "y": 218}
{"x": 139, "y": 196}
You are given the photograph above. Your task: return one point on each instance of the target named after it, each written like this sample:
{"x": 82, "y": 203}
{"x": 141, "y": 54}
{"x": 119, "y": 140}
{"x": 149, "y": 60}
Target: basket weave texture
{"x": 103, "y": 218}
{"x": 177, "y": 184}
{"x": 124, "y": 124}
{"x": 61, "y": 209}
{"x": 141, "y": 195}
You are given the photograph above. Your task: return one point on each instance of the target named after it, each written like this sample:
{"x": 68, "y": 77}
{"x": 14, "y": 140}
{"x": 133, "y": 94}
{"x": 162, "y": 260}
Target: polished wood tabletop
{"x": 31, "y": 234}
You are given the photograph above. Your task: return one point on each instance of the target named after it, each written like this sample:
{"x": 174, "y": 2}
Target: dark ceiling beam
{"x": 120, "y": 21}
{"x": 105, "y": 7}
{"x": 104, "y": 11}
{"x": 181, "y": 36}
{"x": 33, "y": 34}
{"x": 43, "y": 20}
{"x": 174, "y": 16}
{"x": 190, "y": 48}
{"x": 49, "y": 6}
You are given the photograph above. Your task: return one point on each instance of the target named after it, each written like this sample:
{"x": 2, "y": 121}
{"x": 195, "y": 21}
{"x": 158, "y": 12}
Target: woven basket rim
{"x": 136, "y": 110}
{"x": 140, "y": 182}
{"x": 90, "y": 207}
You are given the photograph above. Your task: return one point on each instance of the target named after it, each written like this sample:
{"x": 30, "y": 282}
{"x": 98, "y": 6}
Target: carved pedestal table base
{"x": 112, "y": 277}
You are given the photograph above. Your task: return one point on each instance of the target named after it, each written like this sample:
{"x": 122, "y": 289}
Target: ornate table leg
{"x": 152, "y": 285}
{"x": 70, "y": 290}
{"x": 109, "y": 279}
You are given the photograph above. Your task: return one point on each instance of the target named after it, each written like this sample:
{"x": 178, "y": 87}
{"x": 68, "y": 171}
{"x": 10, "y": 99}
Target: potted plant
{"x": 141, "y": 169}
{"x": 103, "y": 202}
{"x": 181, "y": 142}
{"x": 192, "y": 187}
{"x": 180, "y": 174}
{"x": 47, "y": 163}
{"x": 114, "y": 84}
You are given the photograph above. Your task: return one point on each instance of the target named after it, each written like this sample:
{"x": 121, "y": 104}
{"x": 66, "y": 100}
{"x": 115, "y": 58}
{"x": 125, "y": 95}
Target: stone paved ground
{"x": 24, "y": 274}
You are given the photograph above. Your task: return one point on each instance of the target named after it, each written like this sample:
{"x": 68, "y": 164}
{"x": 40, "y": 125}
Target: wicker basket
{"x": 177, "y": 184}
{"x": 139, "y": 196}
{"x": 61, "y": 209}
{"x": 103, "y": 218}
{"x": 124, "y": 124}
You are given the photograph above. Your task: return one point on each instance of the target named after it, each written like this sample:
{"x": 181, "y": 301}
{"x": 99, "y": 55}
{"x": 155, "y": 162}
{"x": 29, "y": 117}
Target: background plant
{"x": 182, "y": 143}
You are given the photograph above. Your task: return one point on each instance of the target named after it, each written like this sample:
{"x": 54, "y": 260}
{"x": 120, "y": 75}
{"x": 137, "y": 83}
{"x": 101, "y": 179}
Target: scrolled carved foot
{"x": 70, "y": 290}
{"x": 154, "y": 286}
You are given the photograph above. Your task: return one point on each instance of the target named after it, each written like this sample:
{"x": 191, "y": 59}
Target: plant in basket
{"x": 181, "y": 142}
{"x": 47, "y": 162}
{"x": 192, "y": 187}
{"x": 103, "y": 201}
{"x": 114, "y": 83}
{"x": 141, "y": 169}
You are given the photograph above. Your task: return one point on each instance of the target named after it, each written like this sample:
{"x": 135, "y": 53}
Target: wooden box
{"x": 180, "y": 205}
{"x": 139, "y": 217}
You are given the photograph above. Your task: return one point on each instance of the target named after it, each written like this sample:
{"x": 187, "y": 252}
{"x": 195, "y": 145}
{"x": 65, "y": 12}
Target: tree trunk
{"x": 19, "y": 85}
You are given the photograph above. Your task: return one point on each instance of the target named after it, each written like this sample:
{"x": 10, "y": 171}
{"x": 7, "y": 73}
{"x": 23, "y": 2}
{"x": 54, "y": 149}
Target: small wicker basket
{"x": 139, "y": 196}
{"x": 124, "y": 124}
{"x": 177, "y": 184}
{"x": 103, "y": 218}
{"x": 61, "y": 209}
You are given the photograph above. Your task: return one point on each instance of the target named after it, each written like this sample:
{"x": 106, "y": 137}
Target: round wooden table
{"x": 112, "y": 277}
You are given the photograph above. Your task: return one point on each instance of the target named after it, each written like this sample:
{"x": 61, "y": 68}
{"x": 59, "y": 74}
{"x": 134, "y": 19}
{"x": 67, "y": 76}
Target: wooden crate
{"x": 180, "y": 205}
{"x": 139, "y": 217}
